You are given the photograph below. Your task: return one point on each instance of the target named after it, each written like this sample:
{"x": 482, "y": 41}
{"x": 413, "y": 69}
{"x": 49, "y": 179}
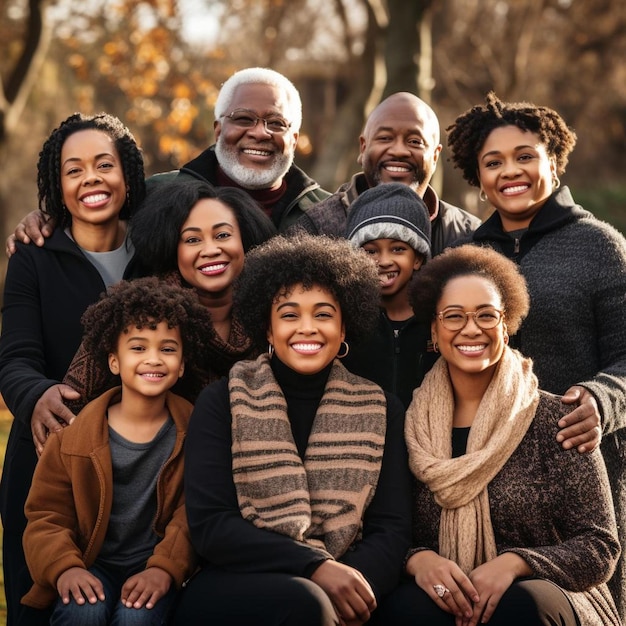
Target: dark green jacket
{"x": 302, "y": 191}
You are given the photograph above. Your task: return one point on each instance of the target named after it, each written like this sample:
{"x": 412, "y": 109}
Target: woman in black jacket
{"x": 91, "y": 180}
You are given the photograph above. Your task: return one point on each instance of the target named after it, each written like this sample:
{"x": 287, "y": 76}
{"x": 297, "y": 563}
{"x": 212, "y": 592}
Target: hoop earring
{"x": 270, "y": 349}
{"x": 556, "y": 183}
{"x": 436, "y": 347}
{"x": 345, "y": 354}
{"x": 482, "y": 195}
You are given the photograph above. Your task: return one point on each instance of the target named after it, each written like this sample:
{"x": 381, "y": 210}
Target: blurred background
{"x": 158, "y": 65}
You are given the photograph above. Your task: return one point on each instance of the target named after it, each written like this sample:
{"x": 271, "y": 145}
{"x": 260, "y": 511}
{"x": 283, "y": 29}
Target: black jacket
{"x": 398, "y": 361}
{"x": 46, "y": 292}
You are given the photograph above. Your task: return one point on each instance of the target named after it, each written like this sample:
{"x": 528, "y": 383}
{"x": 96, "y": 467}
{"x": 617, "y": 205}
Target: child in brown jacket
{"x": 107, "y": 535}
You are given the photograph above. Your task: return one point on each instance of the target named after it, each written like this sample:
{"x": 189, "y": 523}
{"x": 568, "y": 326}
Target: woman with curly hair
{"x": 575, "y": 267}
{"x": 195, "y": 235}
{"x": 118, "y": 469}
{"x": 505, "y": 531}
{"x": 91, "y": 180}
{"x": 296, "y": 478}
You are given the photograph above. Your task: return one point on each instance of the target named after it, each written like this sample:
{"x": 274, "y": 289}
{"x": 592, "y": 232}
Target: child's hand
{"x": 81, "y": 584}
{"x": 146, "y": 588}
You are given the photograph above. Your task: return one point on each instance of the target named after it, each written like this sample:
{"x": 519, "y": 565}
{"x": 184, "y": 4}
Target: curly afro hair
{"x": 144, "y": 303}
{"x": 468, "y": 133}
{"x": 49, "y": 164}
{"x": 275, "y": 267}
{"x": 156, "y": 227}
{"x": 471, "y": 260}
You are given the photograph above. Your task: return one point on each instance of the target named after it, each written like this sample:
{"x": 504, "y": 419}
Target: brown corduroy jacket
{"x": 69, "y": 503}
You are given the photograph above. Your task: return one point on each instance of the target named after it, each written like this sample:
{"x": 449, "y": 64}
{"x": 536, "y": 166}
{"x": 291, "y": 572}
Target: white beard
{"x": 246, "y": 177}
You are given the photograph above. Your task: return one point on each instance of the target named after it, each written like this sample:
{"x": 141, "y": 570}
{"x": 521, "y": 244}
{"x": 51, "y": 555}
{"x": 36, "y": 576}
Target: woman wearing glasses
{"x": 505, "y": 530}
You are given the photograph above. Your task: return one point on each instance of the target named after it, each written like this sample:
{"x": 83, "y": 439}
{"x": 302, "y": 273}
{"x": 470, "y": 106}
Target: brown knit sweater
{"x": 554, "y": 509}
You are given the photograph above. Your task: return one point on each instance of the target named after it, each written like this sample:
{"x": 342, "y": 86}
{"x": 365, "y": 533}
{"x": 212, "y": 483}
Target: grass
{"x": 5, "y": 425}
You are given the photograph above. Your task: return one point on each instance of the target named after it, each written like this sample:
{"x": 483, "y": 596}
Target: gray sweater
{"x": 575, "y": 266}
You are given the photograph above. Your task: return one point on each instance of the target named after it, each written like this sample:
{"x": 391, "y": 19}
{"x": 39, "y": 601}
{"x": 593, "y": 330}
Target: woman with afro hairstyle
{"x": 107, "y": 540}
{"x": 575, "y": 267}
{"x": 296, "y": 477}
{"x": 192, "y": 234}
{"x": 505, "y": 531}
{"x": 91, "y": 180}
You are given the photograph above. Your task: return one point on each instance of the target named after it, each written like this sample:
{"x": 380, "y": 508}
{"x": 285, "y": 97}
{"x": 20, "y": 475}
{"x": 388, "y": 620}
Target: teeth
{"x": 396, "y": 168}
{"x": 472, "y": 348}
{"x": 99, "y": 197}
{"x": 152, "y": 375}
{"x": 387, "y": 277}
{"x": 515, "y": 189}
{"x": 257, "y": 152}
{"x": 306, "y": 347}
{"x": 213, "y": 268}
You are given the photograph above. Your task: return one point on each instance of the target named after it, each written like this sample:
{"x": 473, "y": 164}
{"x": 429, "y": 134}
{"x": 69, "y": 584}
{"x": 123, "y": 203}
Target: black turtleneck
{"x": 303, "y": 393}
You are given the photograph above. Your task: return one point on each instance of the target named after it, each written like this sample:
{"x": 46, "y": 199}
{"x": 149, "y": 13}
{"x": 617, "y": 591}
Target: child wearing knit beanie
{"x": 392, "y": 224}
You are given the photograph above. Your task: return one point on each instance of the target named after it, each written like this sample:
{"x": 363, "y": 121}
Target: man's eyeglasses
{"x": 243, "y": 118}
{"x": 485, "y": 318}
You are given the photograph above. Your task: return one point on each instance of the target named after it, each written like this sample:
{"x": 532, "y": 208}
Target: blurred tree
{"x": 24, "y": 40}
{"x": 130, "y": 58}
{"x": 24, "y": 50}
{"x": 564, "y": 54}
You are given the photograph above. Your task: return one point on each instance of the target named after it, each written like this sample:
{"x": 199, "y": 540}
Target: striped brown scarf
{"x": 319, "y": 501}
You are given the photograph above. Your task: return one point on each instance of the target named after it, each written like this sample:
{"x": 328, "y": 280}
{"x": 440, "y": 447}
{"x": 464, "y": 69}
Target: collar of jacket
{"x": 204, "y": 167}
{"x": 559, "y": 210}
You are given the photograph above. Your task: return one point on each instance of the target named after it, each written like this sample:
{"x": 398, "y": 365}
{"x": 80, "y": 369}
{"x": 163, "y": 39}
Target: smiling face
{"x": 92, "y": 179}
{"x": 148, "y": 361}
{"x": 210, "y": 250}
{"x": 516, "y": 174}
{"x": 396, "y": 261}
{"x": 253, "y": 157}
{"x": 306, "y": 329}
{"x": 470, "y": 350}
{"x": 400, "y": 143}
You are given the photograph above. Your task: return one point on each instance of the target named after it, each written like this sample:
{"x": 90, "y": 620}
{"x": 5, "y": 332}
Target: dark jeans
{"x": 111, "y": 611}
{"x": 530, "y": 602}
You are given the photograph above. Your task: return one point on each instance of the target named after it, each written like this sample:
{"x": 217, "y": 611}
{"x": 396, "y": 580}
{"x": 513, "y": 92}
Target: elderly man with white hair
{"x": 258, "y": 113}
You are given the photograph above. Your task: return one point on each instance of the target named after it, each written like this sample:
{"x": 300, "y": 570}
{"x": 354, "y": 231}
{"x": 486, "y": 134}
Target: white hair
{"x": 261, "y": 76}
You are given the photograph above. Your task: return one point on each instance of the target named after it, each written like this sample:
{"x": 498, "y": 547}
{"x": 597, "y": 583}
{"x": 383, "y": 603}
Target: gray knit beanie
{"x": 390, "y": 211}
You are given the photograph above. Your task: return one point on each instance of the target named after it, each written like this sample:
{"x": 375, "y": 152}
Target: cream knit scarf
{"x": 459, "y": 485}
{"x": 319, "y": 501}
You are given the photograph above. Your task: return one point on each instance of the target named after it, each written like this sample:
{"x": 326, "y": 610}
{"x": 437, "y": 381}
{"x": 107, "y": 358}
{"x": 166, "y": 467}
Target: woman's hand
{"x": 80, "y": 584}
{"x": 431, "y": 570}
{"x": 580, "y": 429}
{"x": 146, "y": 588}
{"x": 50, "y": 413}
{"x": 492, "y": 579}
{"x": 348, "y": 590}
